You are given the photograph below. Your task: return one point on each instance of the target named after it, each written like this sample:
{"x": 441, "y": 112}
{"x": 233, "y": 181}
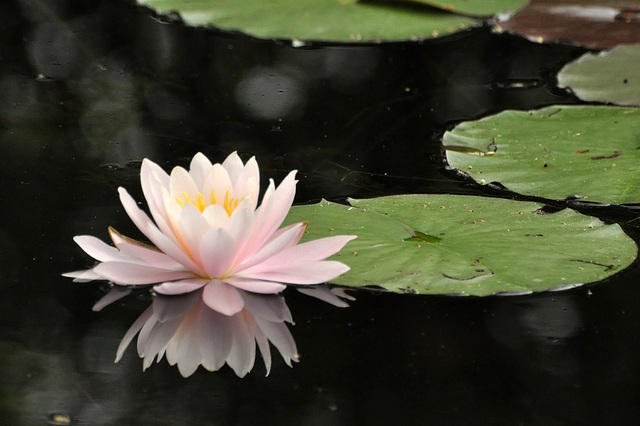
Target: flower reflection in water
{"x": 189, "y": 333}
{"x": 216, "y": 251}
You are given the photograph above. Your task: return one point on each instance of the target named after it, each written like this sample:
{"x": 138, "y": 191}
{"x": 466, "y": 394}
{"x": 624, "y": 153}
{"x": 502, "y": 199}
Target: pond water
{"x": 90, "y": 88}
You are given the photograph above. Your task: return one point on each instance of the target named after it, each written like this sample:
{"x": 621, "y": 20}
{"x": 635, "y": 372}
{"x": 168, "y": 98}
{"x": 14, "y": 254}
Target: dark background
{"x": 90, "y": 88}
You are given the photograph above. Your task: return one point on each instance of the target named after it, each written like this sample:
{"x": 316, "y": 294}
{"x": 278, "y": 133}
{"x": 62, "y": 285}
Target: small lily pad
{"x": 610, "y": 76}
{"x": 588, "y": 152}
{"x": 324, "y": 20}
{"x": 480, "y": 245}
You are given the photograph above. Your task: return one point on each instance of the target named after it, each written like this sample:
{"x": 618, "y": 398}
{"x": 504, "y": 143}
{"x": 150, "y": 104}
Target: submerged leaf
{"x": 592, "y": 152}
{"x": 597, "y": 24}
{"x": 474, "y": 7}
{"x": 327, "y": 20}
{"x": 610, "y": 76}
{"x": 484, "y": 245}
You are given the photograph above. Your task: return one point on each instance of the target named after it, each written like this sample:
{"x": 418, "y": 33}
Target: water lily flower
{"x": 209, "y": 233}
{"x": 190, "y": 333}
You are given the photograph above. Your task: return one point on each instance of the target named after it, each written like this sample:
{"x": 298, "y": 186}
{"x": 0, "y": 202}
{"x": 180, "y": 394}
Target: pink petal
{"x": 217, "y": 249}
{"x": 280, "y": 336}
{"x": 143, "y": 253}
{"x": 289, "y": 235}
{"x": 167, "y": 308}
{"x": 142, "y": 221}
{"x": 255, "y": 286}
{"x": 295, "y": 272}
{"x": 131, "y": 273}
{"x": 184, "y": 349}
{"x": 97, "y": 248}
{"x": 156, "y": 340}
{"x": 180, "y": 287}
{"x": 271, "y": 213}
{"x": 133, "y": 330}
{"x": 319, "y": 249}
{"x": 116, "y": 293}
{"x": 223, "y": 298}
{"x": 192, "y": 228}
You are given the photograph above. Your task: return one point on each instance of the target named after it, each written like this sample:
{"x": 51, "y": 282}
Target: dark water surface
{"x": 90, "y": 88}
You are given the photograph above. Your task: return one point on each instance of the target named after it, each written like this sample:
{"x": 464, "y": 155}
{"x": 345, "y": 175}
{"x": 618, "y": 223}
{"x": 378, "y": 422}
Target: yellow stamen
{"x": 229, "y": 205}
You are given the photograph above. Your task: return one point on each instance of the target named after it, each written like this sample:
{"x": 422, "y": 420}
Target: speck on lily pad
{"x": 592, "y": 152}
{"x": 467, "y": 245}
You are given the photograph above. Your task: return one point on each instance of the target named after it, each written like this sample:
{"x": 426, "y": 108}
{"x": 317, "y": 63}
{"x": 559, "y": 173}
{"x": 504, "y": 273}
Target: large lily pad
{"x": 468, "y": 245}
{"x": 598, "y": 24}
{"x": 610, "y": 76}
{"x": 475, "y": 7}
{"x": 327, "y": 20}
{"x": 555, "y": 152}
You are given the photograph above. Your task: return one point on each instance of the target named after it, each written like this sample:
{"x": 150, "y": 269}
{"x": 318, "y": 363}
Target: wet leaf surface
{"x": 467, "y": 245}
{"x": 474, "y": 7}
{"x": 586, "y": 152}
{"x": 610, "y": 76}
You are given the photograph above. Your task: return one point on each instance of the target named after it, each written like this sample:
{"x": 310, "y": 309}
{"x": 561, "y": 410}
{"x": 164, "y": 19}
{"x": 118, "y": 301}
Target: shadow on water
{"x": 89, "y": 89}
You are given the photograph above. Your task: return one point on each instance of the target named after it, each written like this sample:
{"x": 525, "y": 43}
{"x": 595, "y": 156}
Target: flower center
{"x": 230, "y": 203}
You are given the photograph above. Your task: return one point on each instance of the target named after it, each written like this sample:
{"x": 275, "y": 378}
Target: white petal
{"x": 319, "y": 249}
{"x": 181, "y": 183}
{"x": 217, "y": 249}
{"x": 234, "y": 166}
{"x": 192, "y": 229}
{"x": 83, "y": 276}
{"x": 216, "y": 216}
{"x": 280, "y": 336}
{"x": 268, "y": 307}
{"x": 187, "y": 348}
{"x": 223, "y": 298}
{"x": 131, "y": 274}
{"x": 199, "y": 168}
{"x": 218, "y": 182}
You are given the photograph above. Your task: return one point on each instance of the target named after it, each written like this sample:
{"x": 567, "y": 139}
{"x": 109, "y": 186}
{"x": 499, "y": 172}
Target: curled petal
{"x": 97, "y": 248}
{"x": 295, "y": 272}
{"x": 255, "y": 286}
{"x": 181, "y": 185}
{"x": 199, "y": 168}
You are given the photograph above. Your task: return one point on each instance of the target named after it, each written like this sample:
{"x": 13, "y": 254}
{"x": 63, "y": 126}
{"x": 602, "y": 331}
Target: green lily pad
{"x": 610, "y": 76}
{"x": 475, "y": 7}
{"x": 326, "y": 20}
{"x": 467, "y": 245}
{"x": 592, "y": 152}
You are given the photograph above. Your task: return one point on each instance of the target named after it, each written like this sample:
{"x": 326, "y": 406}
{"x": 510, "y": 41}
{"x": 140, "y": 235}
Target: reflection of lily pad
{"x": 555, "y": 152}
{"x": 330, "y": 20}
{"x": 611, "y": 76}
{"x": 479, "y": 245}
{"x": 474, "y": 7}
{"x": 598, "y": 24}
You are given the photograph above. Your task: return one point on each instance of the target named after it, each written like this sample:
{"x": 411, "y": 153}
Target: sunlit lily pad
{"x": 598, "y": 24}
{"x": 327, "y": 20}
{"x": 611, "y": 76}
{"x": 475, "y": 7}
{"x": 454, "y": 244}
{"x": 592, "y": 152}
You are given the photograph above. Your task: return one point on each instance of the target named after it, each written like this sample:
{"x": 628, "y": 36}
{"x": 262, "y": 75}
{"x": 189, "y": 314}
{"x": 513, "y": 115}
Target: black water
{"x": 90, "y": 88}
